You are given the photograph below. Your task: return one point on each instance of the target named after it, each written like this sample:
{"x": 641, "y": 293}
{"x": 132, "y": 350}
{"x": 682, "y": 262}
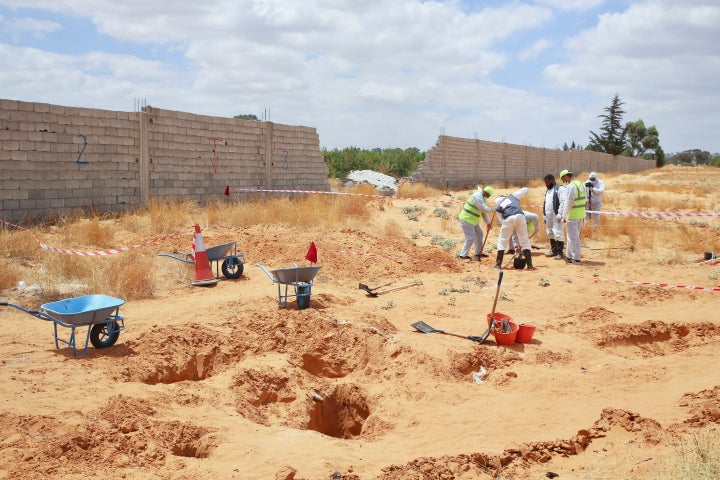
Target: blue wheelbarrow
{"x": 300, "y": 278}
{"x": 225, "y": 257}
{"x": 99, "y": 313}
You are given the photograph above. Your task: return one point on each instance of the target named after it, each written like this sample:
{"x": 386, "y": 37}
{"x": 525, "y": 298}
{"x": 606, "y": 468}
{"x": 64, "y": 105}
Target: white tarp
{"x": 384, "y": 183}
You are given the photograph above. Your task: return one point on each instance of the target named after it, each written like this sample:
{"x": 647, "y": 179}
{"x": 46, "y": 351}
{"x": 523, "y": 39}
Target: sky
{"x": 381, "y": 73}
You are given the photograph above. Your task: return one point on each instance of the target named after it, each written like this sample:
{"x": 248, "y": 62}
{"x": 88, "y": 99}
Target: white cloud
{"x": 572, "y": 4}
{"x": 20, "y": 27}
{"x": 535, "y": 49}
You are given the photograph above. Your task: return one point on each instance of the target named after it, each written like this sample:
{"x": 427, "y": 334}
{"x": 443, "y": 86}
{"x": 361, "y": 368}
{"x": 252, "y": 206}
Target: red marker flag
{"x": 227, "y": 191}
{"x": 311, "y": 253}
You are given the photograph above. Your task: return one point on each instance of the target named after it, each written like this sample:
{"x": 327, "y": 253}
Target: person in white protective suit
{"x": 469, "y": 217}
{"x": 554, "y": 198}
{"x": 513, "y": 221}
{"x": 595, "y": 189}
{"x": 532, "y": 221}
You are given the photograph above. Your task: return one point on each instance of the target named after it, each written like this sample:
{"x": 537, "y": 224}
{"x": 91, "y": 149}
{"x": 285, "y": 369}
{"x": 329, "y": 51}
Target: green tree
{"x": 643, "y": 142}
{"x": 395, "y": 162}
{"x": 612, "y": 134}
{"x": 694, "y": 156}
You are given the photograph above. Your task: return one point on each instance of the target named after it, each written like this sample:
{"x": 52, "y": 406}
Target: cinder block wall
{"x": 55, "y": 158}
{"x": 461, "y": 162}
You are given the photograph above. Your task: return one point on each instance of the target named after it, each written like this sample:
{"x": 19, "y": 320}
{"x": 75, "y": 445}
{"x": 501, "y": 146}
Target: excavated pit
{"x": 340, "y": 414}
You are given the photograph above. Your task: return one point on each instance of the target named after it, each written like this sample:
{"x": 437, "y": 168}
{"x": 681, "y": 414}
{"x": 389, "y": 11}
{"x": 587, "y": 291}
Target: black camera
{"x": 589, "y": 184}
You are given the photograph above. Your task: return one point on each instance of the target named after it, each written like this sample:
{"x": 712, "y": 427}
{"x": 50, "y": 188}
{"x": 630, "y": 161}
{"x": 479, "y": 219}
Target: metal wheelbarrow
{"x": 232, "y": 262}
{"x": 300, "y": 278}
{"x": 99, "y": 313}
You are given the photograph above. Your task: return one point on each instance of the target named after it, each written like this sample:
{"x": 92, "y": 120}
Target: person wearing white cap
{"x": 572, "y": 214}
{"x": 513, "y": 221}
{"x": 596, "y": 188}
{"x": 473, "y": 209}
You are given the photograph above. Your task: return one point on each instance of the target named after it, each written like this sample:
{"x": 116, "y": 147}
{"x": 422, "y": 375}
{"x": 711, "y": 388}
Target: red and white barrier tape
{"x": 90, "y": 254}
{"x": 655, "y": 215}
{"x": 319, "y": 192}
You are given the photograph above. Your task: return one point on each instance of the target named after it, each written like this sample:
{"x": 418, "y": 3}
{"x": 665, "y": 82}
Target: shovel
{"x": 487, "y": 234}
{"x": 375, "y": 294}
{"x": 497, "y": 293}
{"x": 425, "y": 328}
{"x": 370, "y": 290}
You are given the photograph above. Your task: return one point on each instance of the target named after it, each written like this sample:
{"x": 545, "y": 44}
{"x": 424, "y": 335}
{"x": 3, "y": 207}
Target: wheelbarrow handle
{"x": 270, "y": 276}
{"x": 31, "y": 312}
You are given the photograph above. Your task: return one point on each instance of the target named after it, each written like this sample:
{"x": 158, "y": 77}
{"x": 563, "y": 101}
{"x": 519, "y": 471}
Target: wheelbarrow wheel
{"x": 303, "y": 297}
{"x": 103, "y": 335}
{"x": 232, "y": 268}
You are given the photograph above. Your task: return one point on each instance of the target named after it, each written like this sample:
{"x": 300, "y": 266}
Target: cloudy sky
{"x": 380, "y": 73}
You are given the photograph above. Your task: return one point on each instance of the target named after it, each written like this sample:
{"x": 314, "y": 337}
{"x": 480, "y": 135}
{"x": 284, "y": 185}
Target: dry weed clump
{"x": 19, "y": 245}
{"x": 10, "y": 274}
{"x": 62, "y": 268}
{"x": 90, "y": 232}
{"x": 168, "y": 217}
{"x": 128, "y": 275}
{"x": 697, "y": 457}
{"x": 392, "y": 229}
{"x": 417, "y": 190}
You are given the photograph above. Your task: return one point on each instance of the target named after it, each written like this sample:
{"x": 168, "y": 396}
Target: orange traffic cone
{"x": 203, "y": 272}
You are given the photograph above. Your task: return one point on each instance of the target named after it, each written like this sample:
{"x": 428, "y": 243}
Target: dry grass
{"x": 91, "y": 232}
{"x": 11, "y": 274}
{"x": 417, "y": 190}
{"x": 20, "y": 245}
{"x": 697, "y": 458}
{"x": 128, "y": 276}
{"x": 299, "y": 210}
{"x": 392, "y": 229}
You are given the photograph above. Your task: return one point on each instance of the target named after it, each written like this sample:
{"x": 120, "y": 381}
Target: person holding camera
{"x": 595, "y": 188}
{"x": 573, "y": 213}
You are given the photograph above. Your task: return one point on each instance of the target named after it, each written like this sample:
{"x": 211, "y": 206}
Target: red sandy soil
{"x": 220, "y": 383}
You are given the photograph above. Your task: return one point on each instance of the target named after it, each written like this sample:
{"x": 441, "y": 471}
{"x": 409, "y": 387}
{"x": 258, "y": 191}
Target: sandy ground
{"x": 219, "y": 382}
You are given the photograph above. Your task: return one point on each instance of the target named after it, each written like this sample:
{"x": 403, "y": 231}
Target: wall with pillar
{"x": 56, "y": 158}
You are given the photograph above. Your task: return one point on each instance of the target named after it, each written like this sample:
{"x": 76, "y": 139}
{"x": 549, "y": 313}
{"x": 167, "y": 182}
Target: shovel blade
{"x": 368, "y": 290}
{"x": 424, "y": 327}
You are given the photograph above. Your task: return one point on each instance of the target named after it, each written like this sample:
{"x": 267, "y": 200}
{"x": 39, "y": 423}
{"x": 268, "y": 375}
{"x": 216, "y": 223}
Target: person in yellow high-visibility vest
{"x": 573, "y": 214}
{"x": 474, "y": 208}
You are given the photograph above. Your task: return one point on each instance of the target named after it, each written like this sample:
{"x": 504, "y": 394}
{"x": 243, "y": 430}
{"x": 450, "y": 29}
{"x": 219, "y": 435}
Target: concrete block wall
{"x": 56, "y": 158}
{"x": 460, "y": 162}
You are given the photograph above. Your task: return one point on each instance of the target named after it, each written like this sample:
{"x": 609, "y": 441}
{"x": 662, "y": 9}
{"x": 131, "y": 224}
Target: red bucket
{"x": 500, "y": 337}
{"x": 525, "y": 332}
{"x": 499, "y": 317}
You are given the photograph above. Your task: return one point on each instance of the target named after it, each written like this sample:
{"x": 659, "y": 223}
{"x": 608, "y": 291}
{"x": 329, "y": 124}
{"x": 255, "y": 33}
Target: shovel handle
{"x": 383, "y": 285}
{"x": 487, "y": 234}
{"x": 497, "y": 293}
{"x": 395, "y": 288}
